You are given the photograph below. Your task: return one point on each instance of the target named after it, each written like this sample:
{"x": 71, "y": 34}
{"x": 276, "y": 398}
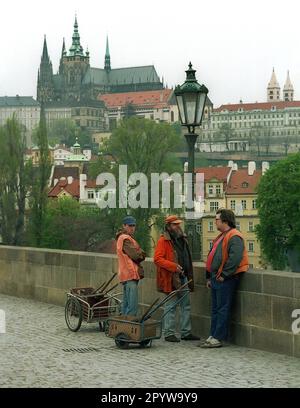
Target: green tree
{"x": 39, "y": 196}
{"x": 145, "y": 147}
{"x": 65, "y": 131}
{"x": 267, "y": 138}
{"x": 256, "y": 137}
{"x": 68, "y": 225}
{"x": 14, "y": 182}
{"x": 129, "y": 110}
{"x": 225, "y": 133}
{"x": 279, "y": 210}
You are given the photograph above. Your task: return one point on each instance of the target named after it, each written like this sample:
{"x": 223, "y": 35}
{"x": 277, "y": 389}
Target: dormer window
{"x": 245, "y": 184}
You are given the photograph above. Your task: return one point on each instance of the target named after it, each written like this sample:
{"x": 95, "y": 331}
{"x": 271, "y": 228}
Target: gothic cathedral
{"x": 77, "y": 81}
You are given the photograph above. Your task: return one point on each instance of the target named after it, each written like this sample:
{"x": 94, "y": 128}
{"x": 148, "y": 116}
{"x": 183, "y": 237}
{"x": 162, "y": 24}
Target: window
{"x": 232, "y": 205}
{"x": 211, "y": 226}
{"x": 238, "y": 225}
{"x": 210, "y": 189}
{"x": 244, "y": 204}
{"x": 90, "y": 195}
{"x": 250, "y": 246}
{"x": 245, "y": 184}
{"x": 250, "y": 226}
{"x": 218, "y": 189}
{"x": 214, "y": 206}
{"x": 253, "y": 204}
{"x": 211, "y": 243}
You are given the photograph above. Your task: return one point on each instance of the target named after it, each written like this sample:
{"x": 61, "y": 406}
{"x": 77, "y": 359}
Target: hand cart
{"x": 91, "y": 305}
{"x": 130, "y": 329}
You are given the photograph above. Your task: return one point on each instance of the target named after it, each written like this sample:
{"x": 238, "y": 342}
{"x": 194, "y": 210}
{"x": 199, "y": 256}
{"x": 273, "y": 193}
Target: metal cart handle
{"x": 168, "y": 297}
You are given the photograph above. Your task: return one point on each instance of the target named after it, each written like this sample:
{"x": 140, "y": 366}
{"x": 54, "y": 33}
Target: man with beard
{"x": 174, "y": 268}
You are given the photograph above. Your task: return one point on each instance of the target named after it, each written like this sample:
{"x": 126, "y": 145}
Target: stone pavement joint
{"x": 38, "y": 351}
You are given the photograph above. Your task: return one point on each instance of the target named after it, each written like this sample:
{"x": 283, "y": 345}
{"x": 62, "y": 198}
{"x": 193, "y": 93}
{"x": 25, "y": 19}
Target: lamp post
{"x": 191, "y": 98}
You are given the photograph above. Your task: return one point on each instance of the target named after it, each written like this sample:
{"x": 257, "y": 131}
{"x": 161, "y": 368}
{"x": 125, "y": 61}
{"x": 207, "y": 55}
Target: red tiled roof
{"x": 153, "y": 99}
{"x": 62, "y": 185}
{"x": 91, "y": 184}
{"x": 220, "y": 173}
{"x": 258, "y": 106}
{"x": 61, "y": 171}
{"x": 239, "y": 177}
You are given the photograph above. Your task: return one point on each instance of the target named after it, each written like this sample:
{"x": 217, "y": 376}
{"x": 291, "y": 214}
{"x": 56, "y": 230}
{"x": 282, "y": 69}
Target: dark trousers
{"x": 222, "y": 295}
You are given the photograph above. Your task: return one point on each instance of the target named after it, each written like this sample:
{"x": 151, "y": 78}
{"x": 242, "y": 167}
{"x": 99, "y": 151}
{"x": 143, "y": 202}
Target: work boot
{"x": 172, "y": 338}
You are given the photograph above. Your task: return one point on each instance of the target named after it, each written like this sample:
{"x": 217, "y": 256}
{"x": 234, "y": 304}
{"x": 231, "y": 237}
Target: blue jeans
{"x": 130, "y": 298}
{"x": 222, "y": 295}
{"x": 170, "y": 314}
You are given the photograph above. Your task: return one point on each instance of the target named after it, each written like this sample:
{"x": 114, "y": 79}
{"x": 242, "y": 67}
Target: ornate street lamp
{"x": 191, "y": 99}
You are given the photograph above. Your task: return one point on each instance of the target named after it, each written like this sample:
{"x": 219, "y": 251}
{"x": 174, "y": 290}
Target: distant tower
{"x": 273, "y": 89}
{"x": 45, "y": 87}
{"x": 63, "y": 54}
{"x": 107, "y": 66}
{"x": 288, "y": 90}
{"x": 74, "y": 66}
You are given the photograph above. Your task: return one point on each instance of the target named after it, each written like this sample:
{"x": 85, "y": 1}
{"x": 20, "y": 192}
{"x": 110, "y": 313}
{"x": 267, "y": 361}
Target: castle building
{"x": 76, "y": 80}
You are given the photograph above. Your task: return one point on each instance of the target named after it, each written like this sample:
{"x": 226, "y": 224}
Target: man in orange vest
{"x": 174, "y": 268}
{"x": 226, "y": 261}
{"x": 130, "y": 255}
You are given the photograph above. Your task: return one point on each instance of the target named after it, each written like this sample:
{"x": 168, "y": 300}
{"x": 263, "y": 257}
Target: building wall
{"x": 283, "y": 125}
{"x": 262, "y": 312}
{"x": 28, "y": 116}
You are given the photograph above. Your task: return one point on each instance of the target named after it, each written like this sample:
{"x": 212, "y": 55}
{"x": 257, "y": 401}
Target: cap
{"x": 173, "y": 219}
{"x": 128, "y": 220}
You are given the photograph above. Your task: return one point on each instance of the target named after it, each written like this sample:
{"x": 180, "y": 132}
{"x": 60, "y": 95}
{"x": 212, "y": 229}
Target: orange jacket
{"x": 165, "y": 259}
{"x": 244, "y": 264}
{"x": 128, "y": 269}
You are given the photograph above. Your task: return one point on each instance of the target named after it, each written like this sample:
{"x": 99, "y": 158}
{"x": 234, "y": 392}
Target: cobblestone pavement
{"x": 33, "y": 355}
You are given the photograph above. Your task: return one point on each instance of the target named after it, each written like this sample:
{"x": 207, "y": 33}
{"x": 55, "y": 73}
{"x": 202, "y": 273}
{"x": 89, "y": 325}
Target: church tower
{"x": 73, "y": 67}
{"x": 273, "y": 89}
{"x": 107, "y": 66}
{"x": 288, "y": 89}
{"x": 45, "y": 87}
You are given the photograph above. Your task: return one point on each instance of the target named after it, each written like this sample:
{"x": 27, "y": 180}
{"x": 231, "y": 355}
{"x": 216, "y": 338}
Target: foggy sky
{"x": 232, "y": 44}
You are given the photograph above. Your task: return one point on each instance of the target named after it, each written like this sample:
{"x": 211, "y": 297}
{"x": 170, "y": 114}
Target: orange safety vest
{"x": 244, "y": 264}
{"x": 128, "y": 269}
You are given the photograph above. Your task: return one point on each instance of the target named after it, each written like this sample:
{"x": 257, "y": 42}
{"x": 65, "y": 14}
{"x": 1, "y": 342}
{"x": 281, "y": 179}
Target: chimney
{"x": 185, "y": 166}
{"x": 234, "y": 167}
{"x": 70, "y": 179}
{"x": 82, "y": 184}
{"x": 251, "y": 168}
{"x": 230, "y": 163}
{"x": 265, "y": 166}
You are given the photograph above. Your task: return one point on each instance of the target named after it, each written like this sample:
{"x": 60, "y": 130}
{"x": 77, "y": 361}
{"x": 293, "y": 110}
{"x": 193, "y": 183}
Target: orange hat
{"x": 173, "y": 219}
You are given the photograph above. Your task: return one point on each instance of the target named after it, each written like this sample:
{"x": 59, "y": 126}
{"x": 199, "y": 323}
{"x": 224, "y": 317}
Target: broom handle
{"x": 104, "y": 286}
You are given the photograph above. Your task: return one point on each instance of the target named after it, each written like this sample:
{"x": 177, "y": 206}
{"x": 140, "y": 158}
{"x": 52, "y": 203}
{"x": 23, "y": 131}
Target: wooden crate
{"x": 133, "y": 329}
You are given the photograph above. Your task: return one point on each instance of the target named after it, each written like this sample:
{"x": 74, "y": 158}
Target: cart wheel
{"x": 122, "y": 341}
{"x": 145, "y": 343}
{"x": 73, "y": 314}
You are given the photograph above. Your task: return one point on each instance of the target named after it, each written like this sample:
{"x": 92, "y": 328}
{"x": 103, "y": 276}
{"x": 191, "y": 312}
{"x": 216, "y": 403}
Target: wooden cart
{"x": 129, "y": 329}
{"x": 91, "y": 305}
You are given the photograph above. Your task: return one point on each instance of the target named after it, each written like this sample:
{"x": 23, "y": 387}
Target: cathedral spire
{"x": 76, "y": 48}
{"x": 107, "y": 66}
{"x": 288, "y": 89}
{"x": 63, "y": 50}
{"x": 63, "y": 54}
{"x": 45, "y": 76}
{"x": 45, "y": 56}
{"x": 273, "y": 89}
